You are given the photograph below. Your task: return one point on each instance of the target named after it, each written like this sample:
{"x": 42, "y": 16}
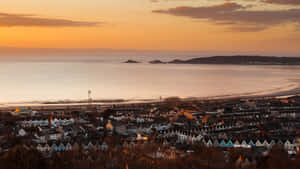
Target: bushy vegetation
{"x": 21, "y": 157}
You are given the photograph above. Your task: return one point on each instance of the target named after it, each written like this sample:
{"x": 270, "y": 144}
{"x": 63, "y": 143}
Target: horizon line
{"x": 53, "y": 51}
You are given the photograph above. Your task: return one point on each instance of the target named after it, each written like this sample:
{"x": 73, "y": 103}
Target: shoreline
{"x": 279, "y": 92}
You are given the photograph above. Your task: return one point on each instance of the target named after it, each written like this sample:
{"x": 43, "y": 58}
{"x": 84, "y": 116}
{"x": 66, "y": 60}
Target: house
{"x": 258, "y": 144}
{"x": 91, "y": 146}
{"x": 104, "y": 146}
{"x": 266, "y": 144}
{"x": 288, "y": 145}
{"x": 216, "y": 143}
{"x": 109, "y": 126}
{"x": 62, "y": 147}
{"x": 222, "y": 144}
{"x": 272, "y": 143}
{"x": 68, "y": 147}
{"x": 125, "y": 144}
{"x": 62, "y": 121}
{"x": 251, "y": 143}
{"x": 237, "y": 143}
{"x": 97, "y": 146}
{"x": 188, "y": 114}
{"x": 47, "y": 148}
{"x": 245, "y": 144}
{"x": 209, "y": 143}
{"x": 230, "y": 144}
{"x": 40, "y": 148}
{"x": 280, "y": 143}
{"x": 54, "y": 135}
{"x": 34, "y": 122}
{"x": 54, "y": 147}
{"x": 22, "y": 132}
{"x": 85, "y": 146}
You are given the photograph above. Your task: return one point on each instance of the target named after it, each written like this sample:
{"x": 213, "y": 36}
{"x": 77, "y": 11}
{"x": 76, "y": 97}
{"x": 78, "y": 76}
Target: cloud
{"x": 283, "y": 2}
{"x": 236, "y": 15}
{"x": 278, "y": 2}
{"x": 14, "y": 20}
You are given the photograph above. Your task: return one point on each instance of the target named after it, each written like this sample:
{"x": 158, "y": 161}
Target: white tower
{"x": 89, "y": 97}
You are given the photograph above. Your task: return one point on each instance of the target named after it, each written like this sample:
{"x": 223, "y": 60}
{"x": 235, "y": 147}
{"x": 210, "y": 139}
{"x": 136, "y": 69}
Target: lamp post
{"x": 89, "y": 97}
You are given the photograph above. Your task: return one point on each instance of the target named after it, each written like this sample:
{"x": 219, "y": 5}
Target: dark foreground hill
{"x": 241, "y": 60}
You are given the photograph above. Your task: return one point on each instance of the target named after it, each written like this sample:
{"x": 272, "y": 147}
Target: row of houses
{"x": 193, "y": 137}
{"x": 47, "y": 122}
{"x": 204, "y": 129}
{"x": 131, "y": 118}
{"x": 286, "y": 144}
{"x": 59, "y": 147}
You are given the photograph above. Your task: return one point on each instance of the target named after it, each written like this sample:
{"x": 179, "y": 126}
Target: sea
{"x": 70, "y": 78}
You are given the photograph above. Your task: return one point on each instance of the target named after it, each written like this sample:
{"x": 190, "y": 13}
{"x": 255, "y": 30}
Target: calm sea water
{"x": 41, "y": 81}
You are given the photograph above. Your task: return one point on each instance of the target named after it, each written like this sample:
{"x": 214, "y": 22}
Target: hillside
{"x": 241, "y": 60}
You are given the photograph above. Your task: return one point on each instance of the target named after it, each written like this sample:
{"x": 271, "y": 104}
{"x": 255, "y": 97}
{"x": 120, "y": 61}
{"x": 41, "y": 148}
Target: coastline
{"x": 279, "y": 92}
{"x": 289, "y": 90}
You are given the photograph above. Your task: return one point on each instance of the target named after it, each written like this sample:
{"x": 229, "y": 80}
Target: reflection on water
{"x": 35, "y": 81}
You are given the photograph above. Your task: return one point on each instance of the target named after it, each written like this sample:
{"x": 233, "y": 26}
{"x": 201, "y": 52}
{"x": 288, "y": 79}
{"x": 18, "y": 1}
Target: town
{"x": 216, "y": 133}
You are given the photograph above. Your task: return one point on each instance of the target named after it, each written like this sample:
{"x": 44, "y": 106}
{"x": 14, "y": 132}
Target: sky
{"x": 253, "y": 26}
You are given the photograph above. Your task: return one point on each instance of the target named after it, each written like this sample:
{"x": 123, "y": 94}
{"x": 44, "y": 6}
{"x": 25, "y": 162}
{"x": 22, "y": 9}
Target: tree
{"x": 278, "y": 159}
{"x": 21, "y": 157}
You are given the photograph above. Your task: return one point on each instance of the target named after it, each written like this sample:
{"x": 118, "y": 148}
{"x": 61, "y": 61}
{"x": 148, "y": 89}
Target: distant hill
{"x": 156, "y": 62}
{"x": 131, "y": 61}
{"x": 241, "y": 60}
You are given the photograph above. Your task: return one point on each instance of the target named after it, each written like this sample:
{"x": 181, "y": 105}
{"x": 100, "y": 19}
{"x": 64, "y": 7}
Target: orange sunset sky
{"x": 210, "y": 25}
